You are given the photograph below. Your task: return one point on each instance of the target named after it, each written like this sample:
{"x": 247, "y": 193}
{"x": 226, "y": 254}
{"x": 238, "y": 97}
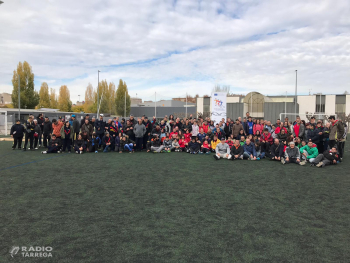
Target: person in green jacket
{"x": 308, "y": 153}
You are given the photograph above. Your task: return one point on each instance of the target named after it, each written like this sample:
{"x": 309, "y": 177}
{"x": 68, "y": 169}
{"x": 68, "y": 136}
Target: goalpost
{"x": 303, "y": 116}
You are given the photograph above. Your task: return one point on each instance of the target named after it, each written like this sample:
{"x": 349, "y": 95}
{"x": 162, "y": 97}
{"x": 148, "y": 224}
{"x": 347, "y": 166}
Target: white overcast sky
{"x": 174, "y": 47}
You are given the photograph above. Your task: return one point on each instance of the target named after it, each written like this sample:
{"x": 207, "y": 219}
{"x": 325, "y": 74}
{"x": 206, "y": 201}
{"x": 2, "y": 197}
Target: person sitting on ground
{"x": 54, "y": 145}
{"x": 156, "y": 145}
{"x": 79, "y": 144}
{"x": 176, "y": 146}
{"x": 249, "y": 150}
{"x": 309, "y": 153}
{"x": 182, "y": 144}
{"x": 276, "y": 151}
{"x": 259, "y": 153}
{"x": 117, "y": 142}
{"x": 107, "y": 142}
{"x": 126, "y": 144}
{"x": 94, "y": 144}
{"x": 291, "y": 154}
{"x": 222, "y": 150}
{"x": 167, "y": 145}
{"x": 237, "y": 151}
{"x": 193, "y": 146}
{"x": 329, "y": 157}
{"x": 214, "y": 143}
{"x": 205, "y": 147}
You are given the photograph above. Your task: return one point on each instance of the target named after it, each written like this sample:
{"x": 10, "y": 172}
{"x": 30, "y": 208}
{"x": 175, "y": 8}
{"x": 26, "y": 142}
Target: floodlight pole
{"x": 155, "y": 105}
{"x": 98, "y": 92}
{"x": 19, "y": 97}
{"x": 285, "y": 104}
{"x": 296, "y": 90}
{"x": 125, "y": 105}
{"x": 186, "y": 104}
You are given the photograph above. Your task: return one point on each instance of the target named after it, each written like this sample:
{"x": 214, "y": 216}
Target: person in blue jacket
{"x": 250, "y": 125}
{"x": 249, "y": 150}
{"x": 16, "y": 133}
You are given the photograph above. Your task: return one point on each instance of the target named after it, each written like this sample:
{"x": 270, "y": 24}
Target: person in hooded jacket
{"x": 193, "y": 146}
{"x": 291, "y": 154}
{"x": 17, "y": 131}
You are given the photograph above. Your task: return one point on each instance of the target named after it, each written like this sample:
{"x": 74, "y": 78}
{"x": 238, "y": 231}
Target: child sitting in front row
{"x": 242, "y": 141}
{"x": 205, "y": 147}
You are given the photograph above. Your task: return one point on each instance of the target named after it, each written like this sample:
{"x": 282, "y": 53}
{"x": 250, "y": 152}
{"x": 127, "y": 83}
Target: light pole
{"x": 98, "y": 91}
{"x": 19, "y": 97}
{"x": 296, "y": 90}
{"x": 79, "y": 98}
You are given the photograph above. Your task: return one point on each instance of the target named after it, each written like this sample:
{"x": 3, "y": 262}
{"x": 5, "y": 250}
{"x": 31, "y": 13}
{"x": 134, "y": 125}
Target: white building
{"x": 273, "y": 107}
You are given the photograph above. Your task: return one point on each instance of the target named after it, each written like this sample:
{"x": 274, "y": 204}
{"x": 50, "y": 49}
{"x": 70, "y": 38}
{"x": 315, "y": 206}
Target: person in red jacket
{"x": 258, "y": 127}
{"x": 182, "y": 143}
{"x": 229, "y": 142}
{"x": 205, "y": 147}
{"x": 187, "y": 136}
{"x": 205, "y": 126}
{"x": 266, "y": 141}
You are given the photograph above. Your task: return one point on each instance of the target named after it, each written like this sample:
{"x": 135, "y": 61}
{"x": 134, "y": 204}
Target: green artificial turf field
{"x": 172, "y": 207}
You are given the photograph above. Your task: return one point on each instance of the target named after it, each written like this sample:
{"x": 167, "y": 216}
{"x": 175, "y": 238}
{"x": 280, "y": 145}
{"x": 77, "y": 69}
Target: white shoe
{"x": 76, "y": 152}
{"x": 81, "y": 152}
{"x": 36, "y": 148}
{"x": 58, "y": 152}
{"x": 44, "y": 152}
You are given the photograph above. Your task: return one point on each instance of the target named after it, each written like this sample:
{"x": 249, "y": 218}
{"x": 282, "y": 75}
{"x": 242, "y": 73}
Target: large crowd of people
{"x": 244, "y": 138}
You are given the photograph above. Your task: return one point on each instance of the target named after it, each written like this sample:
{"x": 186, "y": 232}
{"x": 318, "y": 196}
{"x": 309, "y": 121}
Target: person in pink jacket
{"x": 258, "y": 127}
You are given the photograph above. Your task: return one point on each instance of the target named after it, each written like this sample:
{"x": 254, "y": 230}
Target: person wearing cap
{"x": 336, "y": 131}
{"x": 47, "y": 131}
{"x": 29, "y": 133}
{"x": 291, "y": 154}
{"x": 107, "y": 142}
{"x": 222, "y": 150}
{"x": 54, "y": 145}
{"x": 37, "y": 134}
{"x": 76, "y": 127}
{"x": 139, "y": 132}
{"x": 16, "y": 133}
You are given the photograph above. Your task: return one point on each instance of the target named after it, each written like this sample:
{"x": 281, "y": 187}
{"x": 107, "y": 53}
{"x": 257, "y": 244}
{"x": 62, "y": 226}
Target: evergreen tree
{"x": 29, "y": 97}
{"x": 120, "y": 99}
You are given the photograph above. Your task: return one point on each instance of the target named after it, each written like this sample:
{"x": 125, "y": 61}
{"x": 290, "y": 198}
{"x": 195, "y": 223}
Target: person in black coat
{"x": 29, "y": 133}
{"x": 276, "y": 151}
{"x": 40, "y": 120}
{"x": 100, "y": 126}
{"x": 47, "y": 131}
{"x": 237, "y": 151}
{"x": 54, "y": 145}
{"x": 107, "y": 142}
{"x": 76, "y": 127}
{"x": 16, "y": 133}
{"x": 147, "y": 136}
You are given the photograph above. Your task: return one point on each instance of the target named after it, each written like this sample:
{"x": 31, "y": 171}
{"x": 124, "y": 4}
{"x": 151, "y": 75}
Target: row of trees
{"x": 110, "y": 100}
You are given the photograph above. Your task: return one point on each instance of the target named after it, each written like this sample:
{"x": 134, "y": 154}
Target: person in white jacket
{"x": 222, "y": 150}
{"x": 195, "y": 129}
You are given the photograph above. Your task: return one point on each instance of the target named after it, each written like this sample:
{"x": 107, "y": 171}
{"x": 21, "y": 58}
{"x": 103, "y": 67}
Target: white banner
{"x": 218, "y": 102}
